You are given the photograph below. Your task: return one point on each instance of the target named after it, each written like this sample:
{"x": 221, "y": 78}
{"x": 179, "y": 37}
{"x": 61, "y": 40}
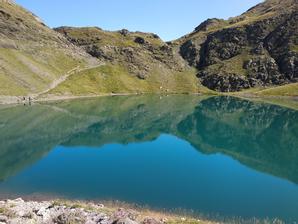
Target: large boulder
{"x": 140, "y": 40}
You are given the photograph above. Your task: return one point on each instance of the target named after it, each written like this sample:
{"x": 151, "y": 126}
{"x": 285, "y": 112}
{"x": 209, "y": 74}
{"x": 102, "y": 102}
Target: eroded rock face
{"x": 190, "y": 51}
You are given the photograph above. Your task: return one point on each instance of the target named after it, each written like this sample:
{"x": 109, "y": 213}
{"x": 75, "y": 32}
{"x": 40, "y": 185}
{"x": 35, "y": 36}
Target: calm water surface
{"x": 215, "y": 156}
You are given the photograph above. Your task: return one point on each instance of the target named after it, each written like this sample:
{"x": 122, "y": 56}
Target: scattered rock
{"x": 140, "y": 40}
{"x": 151, "y": 221}
{"x": 3, "y": 218}
{"x": 124, "y": 32}
{"x": 141, "y": 75}
{"x": 125, "y": 221}
{"x": 155, "y": 36}
{"x": 259, "y": 49}
{"x": 23, "y": 212}
{"x": 61, "y": 219}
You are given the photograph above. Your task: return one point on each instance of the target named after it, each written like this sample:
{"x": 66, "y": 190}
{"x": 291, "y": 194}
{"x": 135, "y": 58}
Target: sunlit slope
{"x": 32, "y": 55}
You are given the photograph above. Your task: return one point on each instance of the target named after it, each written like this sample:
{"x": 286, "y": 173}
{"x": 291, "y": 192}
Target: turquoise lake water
{"x": 213, "y": 156}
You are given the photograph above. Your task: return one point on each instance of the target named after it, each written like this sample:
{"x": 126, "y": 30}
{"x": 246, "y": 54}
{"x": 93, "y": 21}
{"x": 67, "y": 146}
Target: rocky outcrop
{"x": 281, "y": 43}
{"x": 263, "y": 71}
{"x": 222, "y": 45}
{"x": 190, "y": 51}
{"x": 224, "y": 82}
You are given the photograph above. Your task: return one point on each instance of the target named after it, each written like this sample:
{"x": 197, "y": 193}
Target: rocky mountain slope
{"x": 256, "y": 49}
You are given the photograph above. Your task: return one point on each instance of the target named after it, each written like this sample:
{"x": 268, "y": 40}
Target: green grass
{"x": 116, "y": 79}
{"x": 41, "y": 56}
{"x": 278, "y": 95}
{"x": 102, "y": 80}
{"x": 2, "y": 210}
{"x": 23, "y": 73}
{"x": 294, "y": 47}
{"x": 286, "y": 90}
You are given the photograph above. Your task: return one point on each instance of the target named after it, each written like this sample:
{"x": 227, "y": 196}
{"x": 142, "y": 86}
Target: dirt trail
{"x": 58, "y": 81}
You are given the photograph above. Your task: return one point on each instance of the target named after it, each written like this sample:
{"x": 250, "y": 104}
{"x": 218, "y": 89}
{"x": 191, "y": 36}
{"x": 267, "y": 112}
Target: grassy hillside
{"x": 117, "y": 79}
{"x": 286, "y": 90}
{"x": 32, "y": 55}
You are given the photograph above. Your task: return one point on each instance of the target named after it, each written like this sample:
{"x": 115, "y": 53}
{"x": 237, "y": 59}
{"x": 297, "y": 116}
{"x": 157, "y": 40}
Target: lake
{"x": 213, "y": 156}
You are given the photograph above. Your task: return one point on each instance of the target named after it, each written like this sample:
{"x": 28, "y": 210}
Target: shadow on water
{"x": 260, "y": 136}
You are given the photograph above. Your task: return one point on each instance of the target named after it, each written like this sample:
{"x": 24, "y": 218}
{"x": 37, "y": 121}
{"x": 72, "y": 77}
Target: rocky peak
{"x": 207, "y": 24}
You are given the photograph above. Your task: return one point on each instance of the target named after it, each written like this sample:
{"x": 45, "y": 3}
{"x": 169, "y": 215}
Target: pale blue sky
{"x": 169, "y": 19}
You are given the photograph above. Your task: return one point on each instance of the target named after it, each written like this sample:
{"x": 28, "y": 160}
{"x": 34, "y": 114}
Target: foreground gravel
{"x": 19, "y": 211}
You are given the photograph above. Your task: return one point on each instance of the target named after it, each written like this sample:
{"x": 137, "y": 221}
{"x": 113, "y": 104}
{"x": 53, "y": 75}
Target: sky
{"x": 170, "y": 19}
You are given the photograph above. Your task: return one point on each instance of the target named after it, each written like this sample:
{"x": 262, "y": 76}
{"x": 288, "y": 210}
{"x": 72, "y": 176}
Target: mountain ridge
{"x": 257, "y": 49}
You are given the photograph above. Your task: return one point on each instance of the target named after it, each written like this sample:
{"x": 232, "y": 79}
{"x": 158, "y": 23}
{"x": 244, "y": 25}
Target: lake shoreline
{"x": 16, "y": 100}
{"x": 75, "y": 211}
